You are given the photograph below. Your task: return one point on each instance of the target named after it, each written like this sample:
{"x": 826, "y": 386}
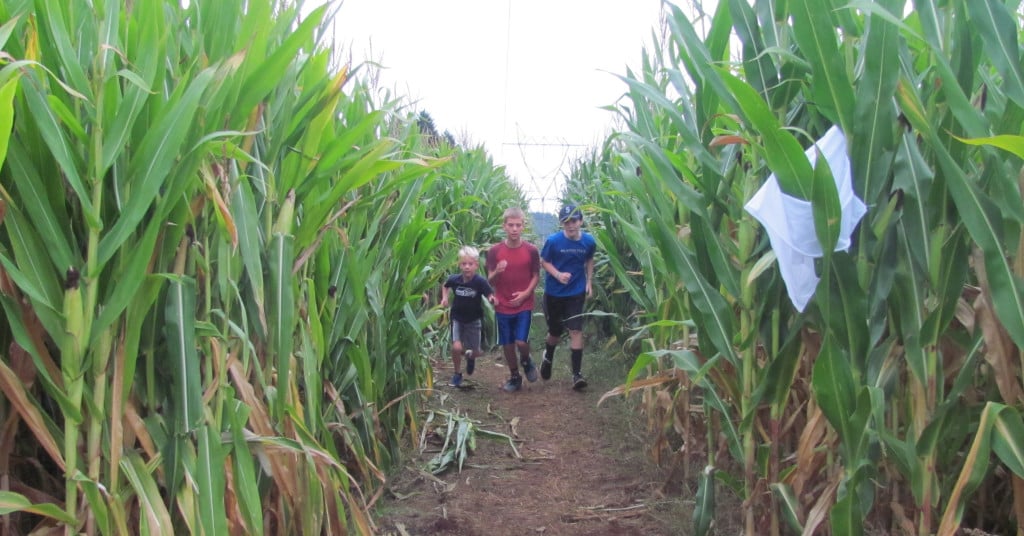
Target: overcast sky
{"x": 504, "y": 73}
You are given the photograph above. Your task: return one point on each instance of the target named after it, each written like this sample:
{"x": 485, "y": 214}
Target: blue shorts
{"x": 514, "y": 327}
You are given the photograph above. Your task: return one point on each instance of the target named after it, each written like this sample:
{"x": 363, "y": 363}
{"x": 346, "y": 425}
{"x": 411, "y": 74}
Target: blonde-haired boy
{"x": 469, "y": 289}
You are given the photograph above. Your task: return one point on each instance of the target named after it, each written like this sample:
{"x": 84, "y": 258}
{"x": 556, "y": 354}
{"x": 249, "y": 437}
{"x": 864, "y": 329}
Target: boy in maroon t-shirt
{"x": 513, "y": 269}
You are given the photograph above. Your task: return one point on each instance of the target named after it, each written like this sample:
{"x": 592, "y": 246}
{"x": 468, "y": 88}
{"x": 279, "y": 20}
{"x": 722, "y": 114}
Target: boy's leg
{"x": 574, "y": 322}
{"x": 506, "y": 339}
{"x": 457, "y": 353}
{"x": 522, "y": 335}
{"x": 457, "y": 349}
{"x": 471, "y": 341}
{"x": 553, "y": 316}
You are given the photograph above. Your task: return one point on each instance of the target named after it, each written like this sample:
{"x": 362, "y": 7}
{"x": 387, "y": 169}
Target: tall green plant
{"x": 890, "y": 348}
{"x": 212, "y": 269}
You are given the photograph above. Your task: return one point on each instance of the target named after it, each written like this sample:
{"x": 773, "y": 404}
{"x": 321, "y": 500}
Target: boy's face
{"x": 571, "y": 228}
{"x": 468, "y": 266}
{"x": 513, "y": 228}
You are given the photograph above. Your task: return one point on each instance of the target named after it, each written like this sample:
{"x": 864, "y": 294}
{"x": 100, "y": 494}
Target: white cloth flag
{"x": 790, "y": 221}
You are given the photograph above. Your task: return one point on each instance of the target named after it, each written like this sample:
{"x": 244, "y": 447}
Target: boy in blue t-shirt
{"x": 568, "y": 262}
{"x": 469, "y": 289}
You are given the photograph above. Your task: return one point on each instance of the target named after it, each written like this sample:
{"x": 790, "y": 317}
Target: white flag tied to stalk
{"x": 790, "y": 221}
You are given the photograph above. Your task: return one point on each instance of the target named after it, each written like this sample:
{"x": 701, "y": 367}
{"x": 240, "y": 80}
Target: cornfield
{"x": 220, "y": 248}
{"x": 891, "y": 404}
{"x": 217, "y": 254}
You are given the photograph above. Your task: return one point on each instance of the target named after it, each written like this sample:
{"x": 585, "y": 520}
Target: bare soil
{"x": 581, "y": 469}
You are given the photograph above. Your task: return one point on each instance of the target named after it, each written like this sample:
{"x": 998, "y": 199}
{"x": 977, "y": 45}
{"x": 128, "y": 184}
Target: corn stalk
{"x": 892, "y": 343}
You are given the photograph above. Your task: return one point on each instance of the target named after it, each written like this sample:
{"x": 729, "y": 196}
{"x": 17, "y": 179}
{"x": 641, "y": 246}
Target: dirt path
{"x": 582, "y": 468}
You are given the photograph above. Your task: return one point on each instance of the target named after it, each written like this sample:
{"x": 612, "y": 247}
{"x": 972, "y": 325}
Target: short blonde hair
{"x": 469, "y": 251}
{"x": 514, "y": 212}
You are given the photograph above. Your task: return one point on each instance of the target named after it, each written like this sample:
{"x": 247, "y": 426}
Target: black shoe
{"x": 513, "y": 384}
{"x": 578, "y": 382}
{"x": 545, "y": 369}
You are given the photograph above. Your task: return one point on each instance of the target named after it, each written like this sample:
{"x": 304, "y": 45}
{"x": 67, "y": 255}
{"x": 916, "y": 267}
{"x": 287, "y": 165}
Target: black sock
{"x": 549, "y": 352}
{"x": 577, "y": 360}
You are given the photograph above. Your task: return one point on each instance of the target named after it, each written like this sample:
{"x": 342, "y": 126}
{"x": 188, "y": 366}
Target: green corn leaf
{"x": 874, "y": 114}
{"x": 982, "y": 220}
{"x": 210, "y": 481}
{"x": 154, "y": 160}
{"x": 789, "y": 504}
{"x": 311, "y": 354}
{"x": 153, "y": 515}
{"x": 244, "y": 470}
{"x": 914, "y": 177}
{"x": 273, "y": 67}
{"x": 704, "y": 509}
{"x": 55, "y": 139}
{"x": 713, "y": 308}
{"x": 60, "y": 40}
{"x": 846, "y": 517}
{"x": 834, "y": 389}
{"x": 996, "y": 25}
{"x": 931, "y": 27}
{"x": 1008, "y": 439}
{"x": 757, "y": 65}
{"x": 281, "y": 311}
{"x": 47, "y": 221}
{"x": 783, "y": 152}
{"x": 849, "y": 305}
{"x": 131, "y": 278}
{"x": 30, "y": 270}
{"x": 699, "y": 61}
{"x": 6, "y": 29}
{"x": 825, "y": 206}
{"x": 179, "y": 329}
{"x": 100, "y": 507}
{"x": 7, "y": 92}
{"x": 1006, "y": 142}
{"x": 11, "y": 502}
{"x": 815, "y": 33}
{"x": 250, "y": 241}
{"x": 973, "y": 471}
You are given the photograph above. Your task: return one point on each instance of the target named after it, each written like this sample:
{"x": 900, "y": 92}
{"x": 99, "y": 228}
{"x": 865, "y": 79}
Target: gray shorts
{"x": 468, "y": 333}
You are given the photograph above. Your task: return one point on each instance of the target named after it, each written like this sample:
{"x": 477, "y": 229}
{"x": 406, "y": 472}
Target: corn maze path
{"x": 581, "y": 469}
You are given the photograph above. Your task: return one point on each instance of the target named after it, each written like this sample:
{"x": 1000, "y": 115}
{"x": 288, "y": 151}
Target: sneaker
{"x": 545, "y": 369}
{"x": 456, "y": 380}
{"x": 513, "y": 384}
{"x": 530, "y": 370}
{"x": 470, "y": 362}
{"x": 578, "y": 382}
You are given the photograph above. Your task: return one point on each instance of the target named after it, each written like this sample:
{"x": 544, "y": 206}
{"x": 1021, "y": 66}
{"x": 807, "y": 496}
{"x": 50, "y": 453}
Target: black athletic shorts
{"x": 564, "y": 312}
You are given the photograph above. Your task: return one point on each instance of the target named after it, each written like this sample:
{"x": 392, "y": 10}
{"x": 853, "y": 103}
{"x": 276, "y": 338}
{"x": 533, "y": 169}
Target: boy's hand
{"x": 493, "y": 299}
{"x": 444, "y": 302}
{"x": 500, "y": 267}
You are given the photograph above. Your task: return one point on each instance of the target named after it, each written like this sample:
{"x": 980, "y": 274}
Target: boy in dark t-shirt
{"x": 469, "y": 290}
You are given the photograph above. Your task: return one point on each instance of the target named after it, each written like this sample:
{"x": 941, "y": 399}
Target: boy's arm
{"x": 535, "y": 268}
{"x": 561, "y": 277}
{"x": 444, "y": 295}
{"x": 589, "y": 266}
{"x": 489, "y": 293}
{"x": 549, "y": 268}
